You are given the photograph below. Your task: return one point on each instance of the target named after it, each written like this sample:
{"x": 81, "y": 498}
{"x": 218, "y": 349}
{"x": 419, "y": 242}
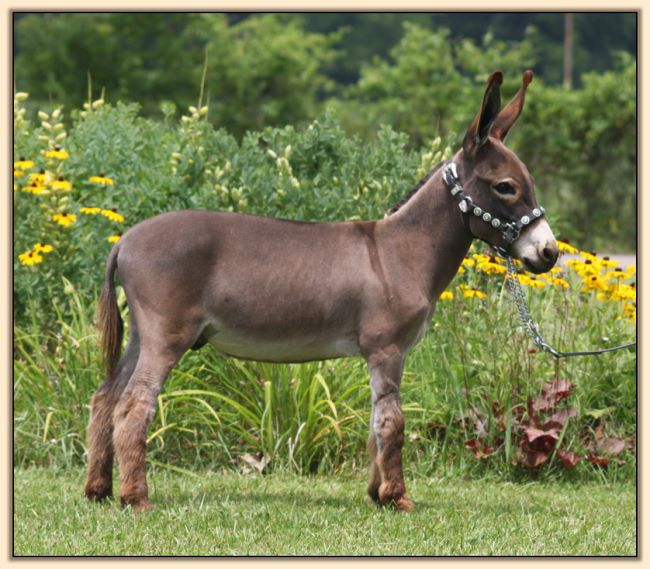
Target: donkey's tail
{"x": 110, "y": 322}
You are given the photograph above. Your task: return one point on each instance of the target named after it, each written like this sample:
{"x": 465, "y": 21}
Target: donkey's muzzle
{"x": 544, "y": 257}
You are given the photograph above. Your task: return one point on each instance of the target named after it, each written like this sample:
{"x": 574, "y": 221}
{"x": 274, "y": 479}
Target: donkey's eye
{"x": 505, "y": 188}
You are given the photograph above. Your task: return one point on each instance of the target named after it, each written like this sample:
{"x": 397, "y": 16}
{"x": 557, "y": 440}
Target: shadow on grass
{"x": 257, "y": 498}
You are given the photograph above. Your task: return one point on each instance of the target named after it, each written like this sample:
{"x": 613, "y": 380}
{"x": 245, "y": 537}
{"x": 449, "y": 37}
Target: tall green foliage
{"x": 430, "y": 84}
{"x": 264, "y": 71}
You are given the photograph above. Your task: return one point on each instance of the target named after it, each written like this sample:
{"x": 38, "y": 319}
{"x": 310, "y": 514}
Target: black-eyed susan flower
{"x": 629, "y": 311}
{"x": 112, "y": 215}
{"x": 531, "y": 281}
{"x": 102, "y": 180}
{"x": 623, "y": 292}
{"x": 89, "y": 210}
{"x": 608, "y": 263}
{"x": 585, "y": 268}
{"x": 617, "y": 274}
{"x": 447, "y": 295}
{"x": 40, "y": 178}
{"x": 57, "y": 153}
{"x": 594, "y": 283}
{"x": 114, "y": 238}
{"x": 469, "y": 292}
{"x": 591, "y": 257}
{"x": 29, "y": 258}
{"x": 564, "y": 247}
{"x": 23, "y": 164}
{"x": 66, "y": 219}
{"x": 491, "y": 267}
{"x": 18, "y": 173}
{"x": 36, "y": 189}
{"x": 42, "y": 248}
{"x": 467, "y": 262}
{"x": 61, "y": 185}
{"x": 557, "y": 281}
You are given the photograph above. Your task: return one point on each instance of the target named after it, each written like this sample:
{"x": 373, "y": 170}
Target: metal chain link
{"x": 531, "y": 327}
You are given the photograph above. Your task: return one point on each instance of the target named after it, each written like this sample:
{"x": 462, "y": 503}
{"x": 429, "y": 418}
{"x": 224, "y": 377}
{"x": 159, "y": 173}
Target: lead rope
{"x": 531, "y": 327}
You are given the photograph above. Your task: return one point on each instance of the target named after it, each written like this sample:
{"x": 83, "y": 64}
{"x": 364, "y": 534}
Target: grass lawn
{"x": 282, "y": 514}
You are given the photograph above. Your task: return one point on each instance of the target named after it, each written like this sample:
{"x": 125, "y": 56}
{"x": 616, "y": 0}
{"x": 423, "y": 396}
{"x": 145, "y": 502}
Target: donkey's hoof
{"x": 404, "y": 504}
{"x": 138, "y": 505}
{"x": 98, "y": 493}
{"x": 394, "y": 496}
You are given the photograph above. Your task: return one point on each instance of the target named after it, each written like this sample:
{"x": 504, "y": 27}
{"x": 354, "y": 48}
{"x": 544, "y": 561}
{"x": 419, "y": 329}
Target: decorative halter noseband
{"x": 510, "y": 230}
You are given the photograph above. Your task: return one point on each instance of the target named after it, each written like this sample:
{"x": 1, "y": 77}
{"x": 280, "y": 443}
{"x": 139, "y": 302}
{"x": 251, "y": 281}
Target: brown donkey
{"x": 284, "y": 291}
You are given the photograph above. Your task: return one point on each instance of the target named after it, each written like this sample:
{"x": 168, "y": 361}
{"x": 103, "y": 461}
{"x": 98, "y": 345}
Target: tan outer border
{"x": 292, "y": 5}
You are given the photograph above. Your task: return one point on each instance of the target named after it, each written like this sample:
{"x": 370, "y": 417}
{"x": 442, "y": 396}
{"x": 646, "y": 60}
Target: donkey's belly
{"x": 280, "y": 350}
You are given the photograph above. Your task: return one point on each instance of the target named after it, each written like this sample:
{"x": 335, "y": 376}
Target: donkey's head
{"x": 499, "y": 182}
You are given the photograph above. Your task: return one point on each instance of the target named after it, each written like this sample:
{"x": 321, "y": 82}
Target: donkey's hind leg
{"x": 134, "y": 412}
{"x": 99, "y": 482}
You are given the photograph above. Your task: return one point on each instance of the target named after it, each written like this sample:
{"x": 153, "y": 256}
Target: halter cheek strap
{"x": 510, "y": 230}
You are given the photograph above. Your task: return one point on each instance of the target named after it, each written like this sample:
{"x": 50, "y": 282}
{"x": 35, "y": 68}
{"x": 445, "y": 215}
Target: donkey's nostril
{"x": 549, "y": 253}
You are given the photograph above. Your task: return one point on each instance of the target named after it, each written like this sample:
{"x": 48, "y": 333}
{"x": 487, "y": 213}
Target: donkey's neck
{"x": 428, "y": 234}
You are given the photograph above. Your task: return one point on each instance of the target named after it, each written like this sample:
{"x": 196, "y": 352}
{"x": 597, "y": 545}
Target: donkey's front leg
{"x": 387, "y": 429}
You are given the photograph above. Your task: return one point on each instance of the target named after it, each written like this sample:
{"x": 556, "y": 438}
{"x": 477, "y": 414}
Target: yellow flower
{"x": 591, "y": 257}
{"x": 61, "y": 184}
{"x": 23, "y": 164}
{"x": 36, "y": 189}
{"x": 609, "y": 263}
{"x": 617, "y": 274}
{"x": 623, "y": 292}
{"x": 472, "y": 293}
{"x": 531, "y": 281}
{"x": 594, "y": 283}
{"x": 90, "y": 210}
{"x": 631, "y": 269}
{"x": 447, "y": 295}
{"x": 460, "y": 270}
{"x": 112, "y": 215}
{"x": 491, "y": 267}
{"x": 468, "y": 262}
{"x": 584, "y": 268}
{"x": 629, "y": 311}
{"x": 18, "y": 173}
{"x": 480, "y": 258}
{"x": 101, "y": 179}
{"x": 557, "y": 281}
{"x": 564, "y": 247}
{"x": 58, "y": 153}
{"x": 40, "y": 178}
{"x": 42, "y": 248}
{"x": 29, "y": 258}
{"x": 65, "y": 219}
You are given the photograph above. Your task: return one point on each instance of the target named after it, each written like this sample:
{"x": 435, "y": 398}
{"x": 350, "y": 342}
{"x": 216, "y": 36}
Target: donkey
{"x": 286, "y": 291}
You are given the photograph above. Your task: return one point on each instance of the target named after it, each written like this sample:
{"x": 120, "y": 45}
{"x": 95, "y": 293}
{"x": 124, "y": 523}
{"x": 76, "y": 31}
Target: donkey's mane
{"x": 415, "y": 188}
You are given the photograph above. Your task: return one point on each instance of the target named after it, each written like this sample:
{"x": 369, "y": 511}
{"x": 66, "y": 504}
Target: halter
{"x": 510, "y": 230}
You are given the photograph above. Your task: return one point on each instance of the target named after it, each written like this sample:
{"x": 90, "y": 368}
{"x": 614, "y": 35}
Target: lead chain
{"x": 531, "y": 327}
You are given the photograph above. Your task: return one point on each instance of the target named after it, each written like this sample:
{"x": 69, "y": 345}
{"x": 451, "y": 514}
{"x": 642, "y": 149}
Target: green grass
{"x": 283, "y": 514}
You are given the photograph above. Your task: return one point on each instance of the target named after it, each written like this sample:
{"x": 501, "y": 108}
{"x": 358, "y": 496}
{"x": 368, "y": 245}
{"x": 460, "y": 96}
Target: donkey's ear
{"x": 479, "y": 130}
{"x": 512, "y": 110}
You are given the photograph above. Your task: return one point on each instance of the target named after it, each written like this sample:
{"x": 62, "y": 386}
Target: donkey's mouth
{"x": 539, "y": 265}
